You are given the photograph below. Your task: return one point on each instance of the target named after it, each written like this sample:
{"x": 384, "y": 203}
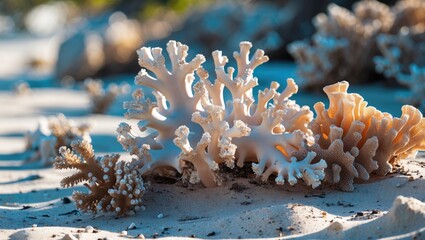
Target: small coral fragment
{"x": 21, "y": 88}
{"x": 102, "y": 99}
{"x": 114, "y": 186}
{"x": 51, "y": 134}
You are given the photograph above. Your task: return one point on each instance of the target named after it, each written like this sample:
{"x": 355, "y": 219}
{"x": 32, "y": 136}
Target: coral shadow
{"x": 13, "y": 135}
{"x": 32, "y": 177}
{"x": 106, "y": 143}
{"x": 35, "y": 197}
{"x": 20, "y": 156}
{"x": 69, "y": 112}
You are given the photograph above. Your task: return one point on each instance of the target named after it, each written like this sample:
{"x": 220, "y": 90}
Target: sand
{"x": 34, "y": 206}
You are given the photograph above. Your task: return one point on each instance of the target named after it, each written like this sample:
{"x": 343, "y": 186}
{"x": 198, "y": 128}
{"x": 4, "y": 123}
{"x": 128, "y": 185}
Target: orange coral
{"x": 363, "y": 139}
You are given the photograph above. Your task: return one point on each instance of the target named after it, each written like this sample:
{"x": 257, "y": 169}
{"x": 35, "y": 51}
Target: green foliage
{"x": 153, "y": 8}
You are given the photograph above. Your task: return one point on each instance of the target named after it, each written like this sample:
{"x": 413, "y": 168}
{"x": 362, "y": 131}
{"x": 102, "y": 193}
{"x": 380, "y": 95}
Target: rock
{"x": 69, "y": 237}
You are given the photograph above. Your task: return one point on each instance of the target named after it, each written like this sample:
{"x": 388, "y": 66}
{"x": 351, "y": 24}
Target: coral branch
{"x": 114, "y": 186}
{"x": 51, "y": 134}
{"x": 364, "y": 139}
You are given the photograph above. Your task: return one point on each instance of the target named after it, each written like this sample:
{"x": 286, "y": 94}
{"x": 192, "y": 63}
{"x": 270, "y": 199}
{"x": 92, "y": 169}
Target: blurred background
{"x": 374, "y": 45}
{"x": 76, "y": 39}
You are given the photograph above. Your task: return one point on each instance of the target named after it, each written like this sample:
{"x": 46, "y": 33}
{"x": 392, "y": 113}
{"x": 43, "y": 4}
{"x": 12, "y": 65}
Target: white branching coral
{"x": 357, "y": 140}
{"x": 101, "y": 99}
{"x": 212, "y": 130}
{"x": 52, "y": 133}
{"x": 276, "y": 152}
{"x": 113, "y": 185}
{"x": 344, "y": 44}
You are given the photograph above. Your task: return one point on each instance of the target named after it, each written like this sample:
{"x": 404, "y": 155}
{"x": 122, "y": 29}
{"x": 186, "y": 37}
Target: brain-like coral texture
{"x": 114, "y": 185}
{"x": 51, "y": 134}
{"x": 357, "y": 140}
{"x": 343, "y": 46}
{"x": 190, "y": 128}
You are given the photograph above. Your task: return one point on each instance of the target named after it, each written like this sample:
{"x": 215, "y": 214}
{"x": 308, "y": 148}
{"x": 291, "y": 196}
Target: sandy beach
{"x": 34, "y": 206}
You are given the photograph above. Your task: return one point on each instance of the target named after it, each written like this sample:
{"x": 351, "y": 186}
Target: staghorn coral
{"x": 52, "y": 133}
{"x": 212, "y": 130}
{"x": 357, "y": 140}
{"x": 343, "y": 46}
{"x": 114, "y": 186}
{"x": 102, "y": 99}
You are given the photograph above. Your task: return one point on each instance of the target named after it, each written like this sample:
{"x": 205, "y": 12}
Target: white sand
{"x": 32, "y": 195}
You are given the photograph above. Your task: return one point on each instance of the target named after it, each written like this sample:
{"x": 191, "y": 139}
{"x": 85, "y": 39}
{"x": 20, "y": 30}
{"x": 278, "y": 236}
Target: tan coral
{"x": 408, "y": 13}
{"x": 113, "y": 185}
{"x": 365, "y": 140}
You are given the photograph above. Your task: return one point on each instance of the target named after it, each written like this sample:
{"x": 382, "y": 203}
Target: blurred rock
{"x": 7, "y": 24}
{"x": 50, "y": 18}
{"x": 107, "y": 44}
{"x": 269, "y": 25}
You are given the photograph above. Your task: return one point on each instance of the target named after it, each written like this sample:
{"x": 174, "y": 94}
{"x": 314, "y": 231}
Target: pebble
{"x": 161, "y": 215}
{"x": 132, "y": 226}
{"x": 66, "y": 200}
{"x": 69, "y": 237}
{"x": 89, "y": 229}
{"x": 141, "y": 236}
{"x": 123, "y": 233}
{"x": 34, "y": 225}
{"x": 336, "y": 226}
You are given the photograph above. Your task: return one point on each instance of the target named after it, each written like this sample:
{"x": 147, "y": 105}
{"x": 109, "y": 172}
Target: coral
{"x": 101, "y": 99}
{"x": 408, "y": 13}
{"x": 212, "y": 130}
{"x": 51, "y": 134}
{"x": 113, "y": 185}
{"x": 415, "y": 81}
{"x": 277, "y": 152}
{"x": 403, "y": 58}
{"x": 343, "y": 46}
{"x": 21, "y": 88}
{"x": 357, "y": 140}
